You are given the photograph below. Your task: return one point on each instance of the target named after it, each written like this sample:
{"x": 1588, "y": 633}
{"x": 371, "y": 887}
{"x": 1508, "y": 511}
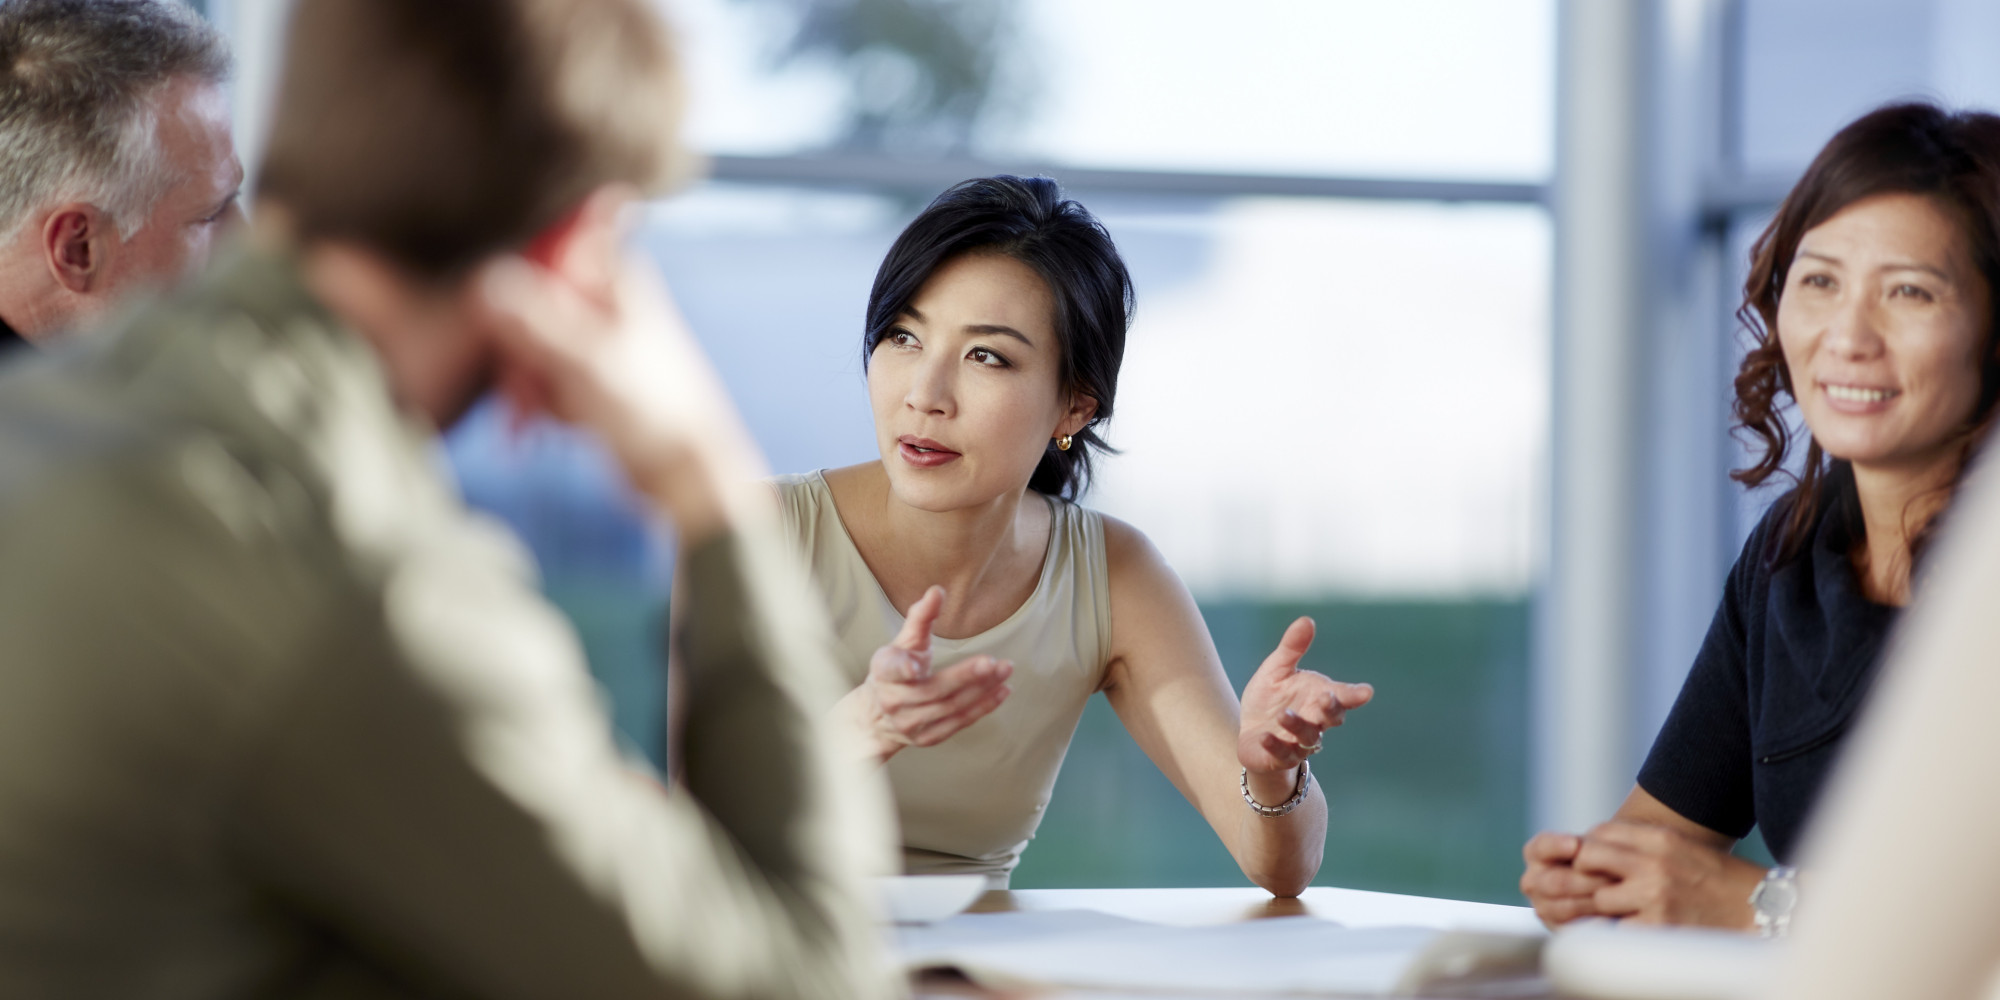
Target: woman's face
{"x": 964, "y": 386}
{"x": 1882, "y": 320}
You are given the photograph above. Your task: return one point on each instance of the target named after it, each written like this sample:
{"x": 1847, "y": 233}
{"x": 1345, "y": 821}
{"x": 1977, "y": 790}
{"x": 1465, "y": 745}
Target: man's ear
{"x": 586, "y": 246}
{"x": 76, "y": 242}
{"x": 1081, "y": 409}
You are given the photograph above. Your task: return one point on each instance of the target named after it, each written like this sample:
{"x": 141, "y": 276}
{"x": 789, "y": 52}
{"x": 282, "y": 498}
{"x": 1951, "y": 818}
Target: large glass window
{"x": 1328, "y": 407}
{"x": 1807, "y": 67}
{"x": 1422, "y": 88}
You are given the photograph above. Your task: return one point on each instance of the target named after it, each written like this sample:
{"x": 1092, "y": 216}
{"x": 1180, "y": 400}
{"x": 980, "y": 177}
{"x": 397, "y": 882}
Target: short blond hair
{"x": 441, "y": 132}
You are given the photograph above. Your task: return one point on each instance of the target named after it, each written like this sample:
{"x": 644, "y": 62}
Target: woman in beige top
{"x": 978, "y": 607}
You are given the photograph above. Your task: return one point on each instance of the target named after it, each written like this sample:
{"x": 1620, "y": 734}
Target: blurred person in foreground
{"x": 1905, "y": 881}
{"x": 978, "y": 605}
{"x": 117, "y": 171}
{"x": 278, "y": 716}
{"x": 1872, "y": 297}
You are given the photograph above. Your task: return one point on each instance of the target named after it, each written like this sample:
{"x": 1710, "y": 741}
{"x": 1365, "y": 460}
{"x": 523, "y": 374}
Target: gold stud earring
{"x": 1062, "y": 443}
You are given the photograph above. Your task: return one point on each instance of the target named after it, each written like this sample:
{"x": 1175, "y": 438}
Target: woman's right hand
{"x": 904, "y": 703}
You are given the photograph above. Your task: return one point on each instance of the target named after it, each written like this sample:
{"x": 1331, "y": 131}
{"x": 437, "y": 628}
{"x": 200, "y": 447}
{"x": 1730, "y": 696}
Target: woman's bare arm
{"x": 1167, "y": 685}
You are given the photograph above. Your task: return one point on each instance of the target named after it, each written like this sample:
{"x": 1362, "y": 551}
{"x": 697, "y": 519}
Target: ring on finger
{"x": 1312, "y": 749}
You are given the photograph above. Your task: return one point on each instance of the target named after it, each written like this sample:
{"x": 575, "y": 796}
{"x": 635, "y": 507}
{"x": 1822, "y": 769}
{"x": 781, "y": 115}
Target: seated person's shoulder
{"x": 1125, "y": 543}
{"x": 183, "y": 544}
{"x": 179, "y": 506}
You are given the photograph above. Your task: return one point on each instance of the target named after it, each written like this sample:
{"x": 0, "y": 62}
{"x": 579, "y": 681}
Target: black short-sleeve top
{"x": 1779, "y": 678}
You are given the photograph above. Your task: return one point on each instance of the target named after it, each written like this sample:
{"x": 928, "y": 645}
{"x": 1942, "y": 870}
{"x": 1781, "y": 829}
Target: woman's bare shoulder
{"x": 1125, "y": 546}
{"x": 1156, "y": 627}
{"x": 1133, "y": 564}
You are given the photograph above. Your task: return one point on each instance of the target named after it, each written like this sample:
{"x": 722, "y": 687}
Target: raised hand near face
{"x": 903, "y": 703}
{"x": 1285, "y": 709}
{"x": 597, "y": 342}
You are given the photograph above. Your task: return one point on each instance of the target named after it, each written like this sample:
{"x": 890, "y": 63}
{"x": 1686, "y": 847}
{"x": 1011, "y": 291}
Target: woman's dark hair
{"x": 1915, "y": 148}
{"x": 1029, "y": 220}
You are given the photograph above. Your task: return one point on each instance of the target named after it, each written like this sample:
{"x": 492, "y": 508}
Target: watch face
{"x": 1776, "y": 897}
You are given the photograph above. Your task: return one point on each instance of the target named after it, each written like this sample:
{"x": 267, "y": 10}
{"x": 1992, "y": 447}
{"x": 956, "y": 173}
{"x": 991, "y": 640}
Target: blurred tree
{"x": 922, "y": 75}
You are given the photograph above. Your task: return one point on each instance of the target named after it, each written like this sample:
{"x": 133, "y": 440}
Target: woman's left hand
{"x": 1285, "y": 709}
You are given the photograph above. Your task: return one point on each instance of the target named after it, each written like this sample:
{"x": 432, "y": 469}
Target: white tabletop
{"x": 1200, "y": 907}
{"x": 1205, "y": 907}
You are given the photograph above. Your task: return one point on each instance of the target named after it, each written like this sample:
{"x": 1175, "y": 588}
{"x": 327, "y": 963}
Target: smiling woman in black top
{"x": 1872, "y": 298}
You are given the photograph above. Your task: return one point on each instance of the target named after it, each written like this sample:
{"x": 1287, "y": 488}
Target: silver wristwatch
{"x": 1773, "y": 899}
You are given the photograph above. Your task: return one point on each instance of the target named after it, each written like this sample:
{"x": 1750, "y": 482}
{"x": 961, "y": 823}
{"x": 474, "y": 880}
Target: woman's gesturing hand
{"x": 903, "y": 703}
{"x": 1285, "y": 709}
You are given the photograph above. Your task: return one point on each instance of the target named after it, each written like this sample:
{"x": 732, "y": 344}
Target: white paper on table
{"x": 1081, "y": 949}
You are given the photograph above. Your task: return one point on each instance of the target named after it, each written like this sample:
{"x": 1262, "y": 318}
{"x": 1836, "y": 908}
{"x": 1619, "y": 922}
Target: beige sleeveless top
{"x": 971, "y": 803}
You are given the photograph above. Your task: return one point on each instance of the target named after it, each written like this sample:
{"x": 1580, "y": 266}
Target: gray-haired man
{"x": 116, "y": 165}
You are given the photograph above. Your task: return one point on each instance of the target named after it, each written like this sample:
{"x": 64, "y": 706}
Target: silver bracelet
{"x": 1298, "y": 794}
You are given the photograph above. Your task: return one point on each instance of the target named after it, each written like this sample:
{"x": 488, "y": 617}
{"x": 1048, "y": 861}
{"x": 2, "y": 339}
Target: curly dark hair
{"x": 1917, "y": 148}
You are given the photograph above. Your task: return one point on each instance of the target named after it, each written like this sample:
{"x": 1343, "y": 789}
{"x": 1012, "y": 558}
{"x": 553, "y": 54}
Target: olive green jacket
{"x": 279, "y": 717}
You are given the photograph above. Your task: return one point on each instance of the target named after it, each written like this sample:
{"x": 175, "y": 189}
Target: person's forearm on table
{"x": 753, "y": 675}
{"x": 750, "y": 656}
{"x": 753, "y": 745}
{"x": 773, "y": 861}
{"x": 1281, "y": 854}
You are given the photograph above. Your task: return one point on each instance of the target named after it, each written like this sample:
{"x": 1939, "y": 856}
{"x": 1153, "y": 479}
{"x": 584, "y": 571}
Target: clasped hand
{"x": 903, "y": 703}
{"x": 1285, "y": 709}
{"x": 1639, "y": 872}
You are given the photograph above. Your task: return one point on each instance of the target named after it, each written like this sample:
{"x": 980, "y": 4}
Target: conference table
{"x": 1204, "y": 907}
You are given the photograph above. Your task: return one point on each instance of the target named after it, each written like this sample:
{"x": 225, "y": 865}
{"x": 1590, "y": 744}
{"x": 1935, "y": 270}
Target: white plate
{"x": 920, "y": 899}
